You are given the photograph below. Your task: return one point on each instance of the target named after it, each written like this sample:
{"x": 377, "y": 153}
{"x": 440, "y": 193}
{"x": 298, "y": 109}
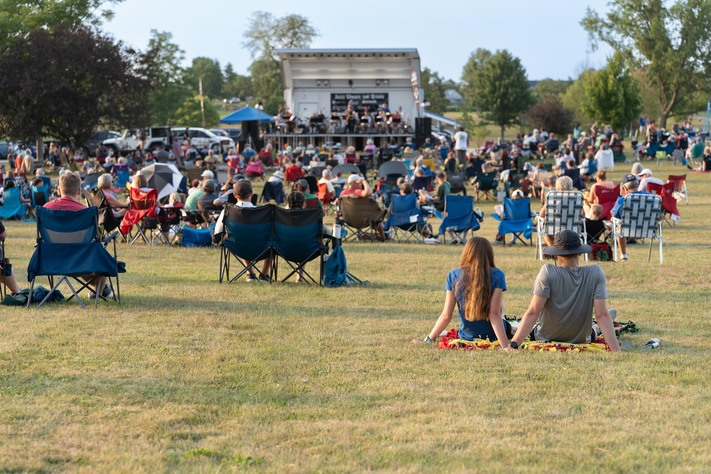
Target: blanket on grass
{"x": 452, "y": 341}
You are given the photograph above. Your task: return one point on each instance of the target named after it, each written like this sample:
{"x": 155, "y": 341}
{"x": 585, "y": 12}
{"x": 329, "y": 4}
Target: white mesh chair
{"x": 640, "y": 219}
{"x": 564, "y": 211}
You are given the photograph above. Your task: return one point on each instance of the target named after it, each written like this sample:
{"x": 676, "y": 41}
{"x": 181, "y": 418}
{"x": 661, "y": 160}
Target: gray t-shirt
{"x": 567, "y": 314}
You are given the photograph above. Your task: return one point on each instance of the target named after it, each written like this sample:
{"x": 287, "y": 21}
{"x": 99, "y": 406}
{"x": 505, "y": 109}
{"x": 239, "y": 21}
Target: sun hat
{"x": 208, "y": 174}
{"x": 353, "y": 178}
{"x": 567, "y": 242}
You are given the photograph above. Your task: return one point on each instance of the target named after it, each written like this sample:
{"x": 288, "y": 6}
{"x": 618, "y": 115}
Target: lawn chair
{"x": 361, "y": 217}
{"x": 666, "y": 192}
{"x": 597, "y": 236}
{"x": 68, "y": 246}
{"x": 564, "y": 211}
{"x": 390, "y": 171}
{"x": 249, "y": 235}
{"x": 607, "y": 198}
{"x": 457, "y": 183}
{"x": 640, "y": 219}
{"x": 405, "y": 218}
{"x": 3, "y": 264}
{"x": 459, "y": 217}
{"x": 108, "y": 222}
{"x": 39, "y": 195}
{"x": 486, "y": 183}
{"x": 122, "y": 178}
{"x": 273, "y": 191}
{"x": 514, "y": 181}
{"x": 680, "y": 191}
{"x": 517, "y": 220}
{"x": 298, "y": 240}
{"x": 422, "y": 182}
{"x": 12, "y": 206}
{"x": 141, "y": 216}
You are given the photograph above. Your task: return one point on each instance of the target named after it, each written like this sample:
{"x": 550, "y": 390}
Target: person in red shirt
{"x": 357, "y": 186}
{"x": 293, "y": 172}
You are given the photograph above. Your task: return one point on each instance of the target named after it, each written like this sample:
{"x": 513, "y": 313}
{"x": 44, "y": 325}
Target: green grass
{"x": 190, "y": 375}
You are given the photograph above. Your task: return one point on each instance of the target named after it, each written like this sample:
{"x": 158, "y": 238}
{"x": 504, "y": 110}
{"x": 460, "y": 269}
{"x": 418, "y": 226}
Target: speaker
{"x": 423, "y": 129}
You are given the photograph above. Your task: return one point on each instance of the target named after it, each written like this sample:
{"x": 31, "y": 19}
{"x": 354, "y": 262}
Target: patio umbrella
{"x": 165, "y": 178}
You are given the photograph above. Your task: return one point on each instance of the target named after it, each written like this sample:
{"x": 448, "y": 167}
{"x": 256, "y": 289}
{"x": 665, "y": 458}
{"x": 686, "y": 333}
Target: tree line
{"x": 63, "y": 77}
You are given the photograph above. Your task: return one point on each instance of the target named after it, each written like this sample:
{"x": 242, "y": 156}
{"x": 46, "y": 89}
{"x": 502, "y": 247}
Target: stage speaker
{"x": 423, "y": 129}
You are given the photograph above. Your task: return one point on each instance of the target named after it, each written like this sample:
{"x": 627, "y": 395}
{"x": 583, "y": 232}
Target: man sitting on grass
{"x": 564, "y": 297}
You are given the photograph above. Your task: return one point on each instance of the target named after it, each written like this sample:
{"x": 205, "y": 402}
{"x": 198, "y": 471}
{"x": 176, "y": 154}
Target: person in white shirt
{"x": 647, "y": 177}
{"x": 461, "y": 142}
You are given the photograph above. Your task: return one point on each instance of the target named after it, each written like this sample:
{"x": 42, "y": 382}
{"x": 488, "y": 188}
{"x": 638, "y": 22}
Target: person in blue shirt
{"x": 629, "y": 185}
{"x": 477, "y": 289}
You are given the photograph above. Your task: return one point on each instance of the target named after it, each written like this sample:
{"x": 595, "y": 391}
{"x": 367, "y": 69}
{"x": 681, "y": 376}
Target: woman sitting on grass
{"x": 477, "y": 288}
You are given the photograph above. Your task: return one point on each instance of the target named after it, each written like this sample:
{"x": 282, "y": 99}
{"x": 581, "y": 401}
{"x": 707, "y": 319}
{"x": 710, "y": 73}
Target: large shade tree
{"x": 669, "y": 41}
{"x": 69, "y": 81}
{"x": 435, "y": 91}
{"x": 496, "y": 86}
{"x": 168, "y": 91}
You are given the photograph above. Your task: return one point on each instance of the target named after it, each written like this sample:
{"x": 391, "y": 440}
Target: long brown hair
{"x": 476, "y": 264}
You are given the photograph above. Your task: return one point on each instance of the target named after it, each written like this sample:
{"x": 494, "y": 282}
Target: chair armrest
{"x": 110, "y": 237}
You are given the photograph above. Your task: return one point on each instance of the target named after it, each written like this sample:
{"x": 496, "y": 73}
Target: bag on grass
{"x": 601, "y": 252}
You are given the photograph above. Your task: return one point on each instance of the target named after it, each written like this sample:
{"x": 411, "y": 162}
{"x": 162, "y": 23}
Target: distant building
{"x": 454, "y": 98}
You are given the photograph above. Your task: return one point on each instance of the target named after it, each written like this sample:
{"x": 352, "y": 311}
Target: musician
{"x": 366, "y": 120}
{"x": 351, "y": 119}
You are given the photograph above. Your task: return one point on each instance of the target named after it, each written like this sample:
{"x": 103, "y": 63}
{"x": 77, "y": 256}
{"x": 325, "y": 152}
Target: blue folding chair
{"x": 68, "y": 246}
{"x": 421, "y": 182}
{"x": 12, "y": 206}
{"x": 249, "y": 235}
{"x": 273, "y": 191}
{"x": 459, "y": 217}
{"x": 517, "y": 220}
{"x": 122, "y": 177}
{"x": 298, "y": 240}
{"x": 405, "y": 218}
{"x": 39, "y": 195}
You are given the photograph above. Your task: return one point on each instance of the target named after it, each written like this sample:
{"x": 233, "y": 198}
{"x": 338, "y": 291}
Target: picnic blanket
{"x": 452, "y": 341}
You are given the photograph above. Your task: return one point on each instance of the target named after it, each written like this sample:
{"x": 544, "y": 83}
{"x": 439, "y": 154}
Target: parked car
{"x": 155, "y": 137}
{"x": 202, "y": 138}
{"x": 5, "y": 149}
{"x": 97, "y": 138}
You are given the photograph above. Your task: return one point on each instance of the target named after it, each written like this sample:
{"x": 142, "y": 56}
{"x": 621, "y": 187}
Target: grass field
{"x": 190, "y": 375}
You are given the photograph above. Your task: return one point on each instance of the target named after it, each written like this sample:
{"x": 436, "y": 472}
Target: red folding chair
{"x": 680, "y": 191}
{"x": 143, "y": 207}
{"x": 666, "y": 192}
{"x": 607, "y": 198}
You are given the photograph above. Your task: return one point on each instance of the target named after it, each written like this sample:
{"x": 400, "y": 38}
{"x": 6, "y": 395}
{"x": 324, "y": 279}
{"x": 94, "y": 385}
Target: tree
{"x": 19, "y": 19}
{"x": 612, "y": 94}
{"x": 167, "y": 88}
{"x": 86, "y": 80}
{"x": 499, "y": 89}
{"x": 189, "y": 113}
{"x": 435, "y": 90}
{"x": 268, "y": 83}
{"x": 550, "y": 114}
{"x": 547, "y": 87}
{"x": 669, "y": 41}
{"x": 474, "y": 66}
{"x": 267, "y": 33}
{"x": 211, "y": 73}
{"x": 573, "y": 99}
{"x": 239, "y": 86}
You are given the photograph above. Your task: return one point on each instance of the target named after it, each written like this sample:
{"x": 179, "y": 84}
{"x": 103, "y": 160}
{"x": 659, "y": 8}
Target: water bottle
{"x": 652, "y": 344}
{"x": 337, "y": 231}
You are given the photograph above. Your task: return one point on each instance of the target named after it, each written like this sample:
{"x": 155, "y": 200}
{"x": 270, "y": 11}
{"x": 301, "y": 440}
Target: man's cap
{"x": 567, "y": 242}
{"x": 208, "y": 174}
{"x": 353, "y": 178}
{"x": 243, "y": 188}
{"x": 629, "y": 178}
{"x": 645, "y": 171}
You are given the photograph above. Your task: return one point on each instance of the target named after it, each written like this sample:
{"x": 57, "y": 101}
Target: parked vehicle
{"x": 97, "y": 138}
{"x": 154, "y": 138}
{"x": 202, "y": 138}
{"x": 6, "y": 148}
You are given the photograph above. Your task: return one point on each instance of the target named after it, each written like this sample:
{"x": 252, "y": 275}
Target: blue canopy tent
{"x": 247, "y": 114}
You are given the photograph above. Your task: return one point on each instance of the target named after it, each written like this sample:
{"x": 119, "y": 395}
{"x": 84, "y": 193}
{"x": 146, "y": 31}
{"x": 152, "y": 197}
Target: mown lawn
{"x": 190, "y": 375}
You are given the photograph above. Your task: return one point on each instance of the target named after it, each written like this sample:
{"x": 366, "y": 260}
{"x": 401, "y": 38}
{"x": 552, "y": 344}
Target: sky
{"x": 546, "y": 36}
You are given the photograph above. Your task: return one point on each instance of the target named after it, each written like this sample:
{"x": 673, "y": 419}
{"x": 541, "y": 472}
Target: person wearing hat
{"x": 565, "y": 296}
{"x": 357, "y": 187}
{"x": 630, "y": 185}
{"x": 646, "y": 177}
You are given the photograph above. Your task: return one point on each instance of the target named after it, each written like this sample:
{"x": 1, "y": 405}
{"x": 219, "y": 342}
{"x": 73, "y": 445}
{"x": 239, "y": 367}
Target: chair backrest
{"x": 67, "y": 227}
{"x": 297, "y": 233}
{"x": 666, "y": 192}
{"x": 421, "y": 182}
{"x": 122, "y": 178}
{"x": 313, "y": 183}
{"x": 564, "y": 211}
{"x": 249, "y": 231}
{"x": 456, "y": 206}
{"x": 595, "y": 229}
{"x": 194, "y": 173}
{"x": 143, "y": 200}
{"x": 40, "y": 195}
{"x": 456, "y": 182}
{"x": 487, "y": 181}
{"x": 605, "y": 195}
{"x": 90, "y": 182}
{"x": 345, "y": 168}
{"x": 392, "y": 168}
{"x": 516, "y": 209}
{"x": 359, "y": 212}
{"x": 323, "y": 193}
{"x": 640, "y": 215}
{"x": 273, "y": 191}
{"x": 678, "y": 180}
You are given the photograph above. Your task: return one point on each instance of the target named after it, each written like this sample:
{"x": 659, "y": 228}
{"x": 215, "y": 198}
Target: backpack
{"x": 335, "y": 270}
{"x": 602, "y": 252}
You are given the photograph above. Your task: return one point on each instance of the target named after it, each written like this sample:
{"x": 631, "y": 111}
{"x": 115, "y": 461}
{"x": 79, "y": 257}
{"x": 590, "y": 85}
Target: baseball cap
{"x": 353, "y": 178}
{"x": 645, "y": 171}
{"x": 207, "y": 174}
{"x": 629, "y": 178}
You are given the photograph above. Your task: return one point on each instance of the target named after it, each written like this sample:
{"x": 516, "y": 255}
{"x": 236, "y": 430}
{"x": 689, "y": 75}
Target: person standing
{"x": 461, "y": 142}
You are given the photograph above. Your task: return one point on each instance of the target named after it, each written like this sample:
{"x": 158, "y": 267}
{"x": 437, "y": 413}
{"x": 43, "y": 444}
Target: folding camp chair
{"x": 680, "y": 191}
{"x": 346, "y": 168}
{"x": 141, "y": 217}
{"x": 666, "y": 192}
{"x": 392, "y": 170}
{"x": 486, "y": 183}
{"x": 457, "y": 183}
{"x": 122, "y": 177}
{"x": 248, "y": 236}
{"x": 606, "y": 198}
{"x": 12, "y": 206}
{"x": 108, "y": 222}
{"x": 517, "y": 220}
{"x": 68, "y": 246}
{"x": 405, "y": 219}
{"x": 597, "y": 236}
{"x": 640, "y": 219}
{"x": 273, "y": 191}
{"x": 39, "y": 195}
{"x": 91, "y": 182}
{"x": 459, "y": 217}
{"x": 564, "y": 211}
{"x": 422, "y": 182}
{"x": 514, "y": 181}
{"x": 3, "y": 287}
{"x": 360, "y": 216}
{"x": 298, "y": 240}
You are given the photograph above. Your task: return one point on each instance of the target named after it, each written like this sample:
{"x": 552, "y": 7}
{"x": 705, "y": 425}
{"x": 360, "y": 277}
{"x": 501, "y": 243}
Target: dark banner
{"x": 358, "y": 101}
